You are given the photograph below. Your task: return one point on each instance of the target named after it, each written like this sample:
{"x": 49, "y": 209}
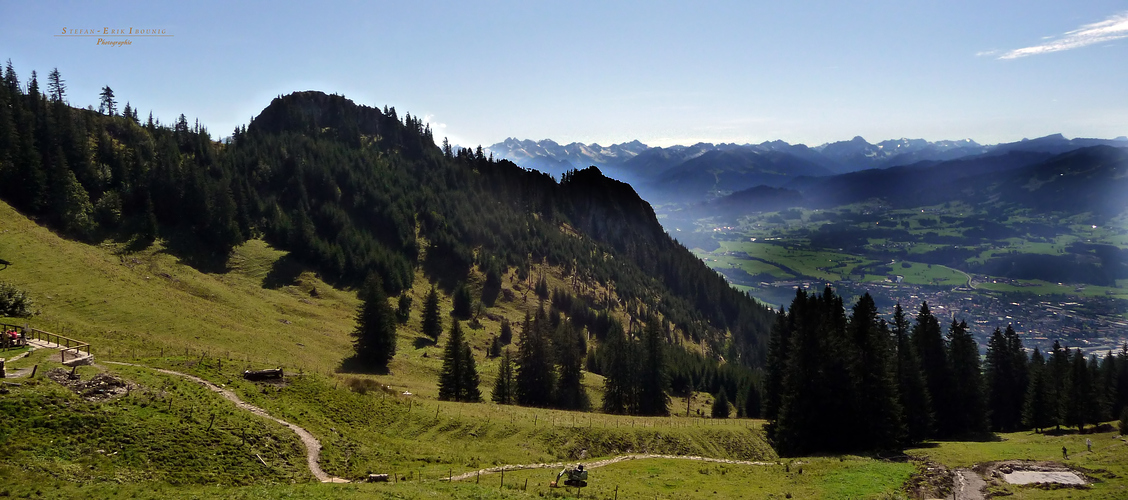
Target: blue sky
{"x": 661, "y": 72}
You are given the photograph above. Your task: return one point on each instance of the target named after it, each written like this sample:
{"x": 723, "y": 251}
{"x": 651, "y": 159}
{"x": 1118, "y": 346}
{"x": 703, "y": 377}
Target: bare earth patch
{"x": 100, "y": 387}
{"x": 1018, "y": 472}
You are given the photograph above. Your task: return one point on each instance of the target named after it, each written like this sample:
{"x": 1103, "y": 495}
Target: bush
{"x": 14, "y": 303}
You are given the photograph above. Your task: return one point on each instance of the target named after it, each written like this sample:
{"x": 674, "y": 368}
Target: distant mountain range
{"x": 1088, "y": 179}
{"x": 706, "y": 171}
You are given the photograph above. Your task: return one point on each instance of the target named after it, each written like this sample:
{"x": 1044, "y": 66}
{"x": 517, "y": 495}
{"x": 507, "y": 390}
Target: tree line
{"x": 838, "y": 383}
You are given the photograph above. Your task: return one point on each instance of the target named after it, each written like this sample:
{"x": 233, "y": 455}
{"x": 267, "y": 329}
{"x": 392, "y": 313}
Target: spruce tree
{"x": 1058, "y": 380}
{"x": 720, "y": 405}
{"x": 915, "y": 402}
{"x": 1002, "y": 377}
{"x": 879, "y": 412}
{"x": 506, "y": 335}
{"x": 458, "y": 379}
{"x": 932, "y": 351}
{"x": 463, "y": 302}
{"x": 403, "y": 311}
{"x": 570, "y": 394}
{"x": 618, "y": 372}
{"x": 1036, "y": 410}
{"x": 778, "y": 344}
{"x": 470, "y": 380}
{"x": 535, "y": 376}
{"x": 432, "y": 319}
{"x": 653, "y": 379}
{"x": 967, "y": 382}
{"x": 375, "y": 334}
{"x": 503, "y": 390}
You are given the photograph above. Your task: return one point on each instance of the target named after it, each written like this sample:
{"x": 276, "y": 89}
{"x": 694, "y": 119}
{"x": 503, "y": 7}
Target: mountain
{"x": 722, "y": 171}
{"x": 554, "y": 159}
{"x": 858, "y": 154}
{"x": 1089, "y": 179}
{"x": 352, "y": 192}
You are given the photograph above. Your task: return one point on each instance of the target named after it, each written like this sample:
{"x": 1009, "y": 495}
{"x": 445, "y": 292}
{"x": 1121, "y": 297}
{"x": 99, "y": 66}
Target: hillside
{"x": 351, "y": 191}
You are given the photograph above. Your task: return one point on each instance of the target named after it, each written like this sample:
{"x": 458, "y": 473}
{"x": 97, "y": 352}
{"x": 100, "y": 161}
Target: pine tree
{"x": 915, "y": 402}
{"x": 503, "y": 390}
{"x": 720, "y": 405}
{"x": 432, "y": 320}
{"x": 375, "y": 332}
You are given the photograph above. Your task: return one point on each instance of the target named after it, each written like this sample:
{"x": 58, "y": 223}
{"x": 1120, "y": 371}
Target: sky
{"x": 607, "y": 72}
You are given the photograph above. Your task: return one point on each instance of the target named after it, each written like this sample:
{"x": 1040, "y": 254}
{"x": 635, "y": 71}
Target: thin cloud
{"x": 1113, "y": 28}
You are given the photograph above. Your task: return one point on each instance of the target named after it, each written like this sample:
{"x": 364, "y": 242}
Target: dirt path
{"x": 969, "y": 486}
{"x": 312, "y": 445}
{"x": 601, "y": 463}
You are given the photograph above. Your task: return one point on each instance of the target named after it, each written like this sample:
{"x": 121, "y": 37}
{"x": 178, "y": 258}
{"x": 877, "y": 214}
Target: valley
{"x": 1040, "y": 273}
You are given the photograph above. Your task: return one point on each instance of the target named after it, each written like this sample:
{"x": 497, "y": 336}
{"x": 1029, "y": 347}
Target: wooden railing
{"x": 77, "y": 346}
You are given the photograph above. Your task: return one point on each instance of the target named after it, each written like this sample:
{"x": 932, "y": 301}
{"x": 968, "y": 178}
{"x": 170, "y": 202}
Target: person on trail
{"x": 1089, "y": 444}
{"x": 1064, "y": 454}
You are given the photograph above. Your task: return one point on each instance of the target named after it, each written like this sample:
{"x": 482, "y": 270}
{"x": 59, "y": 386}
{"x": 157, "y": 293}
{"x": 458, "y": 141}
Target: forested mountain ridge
{"x": 351, "y": 191}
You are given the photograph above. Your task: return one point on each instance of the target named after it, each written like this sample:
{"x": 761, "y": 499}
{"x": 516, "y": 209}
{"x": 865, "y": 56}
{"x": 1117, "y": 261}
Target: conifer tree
{"x": 432, "y": 319}
{"x": 967, "y": 382}
{"x": 778, "y": 344}
{"x": 570, "y": 394}
{"x": 403, "y": 311}
{"x": 618, "y": 372}
{"x": 535, "y": 376}
{"x": 1058, "y": 380}
{"x": 1036, "y": 410}
{"x": 503, "y": 390}
{"x": 375, "y": 332}
{"x": 720, "y": 407}
{"x": 470, "y": 380}
{"x": 932, "y": 351}
{"x": 915, "y": 402}
{"x": 56, "y": 86}
{"x": 653, "y": 378}
{"x": 506, "y": 335}
{"x": 458, "y": 379}
{"x": 107, "y": 104}
{"x": 1005, "y": 380}
{"x": 463, "y": 302}
{"x": 879, "y": 412}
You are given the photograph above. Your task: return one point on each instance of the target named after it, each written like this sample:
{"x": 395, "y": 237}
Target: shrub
{"x": 14, "y": 302}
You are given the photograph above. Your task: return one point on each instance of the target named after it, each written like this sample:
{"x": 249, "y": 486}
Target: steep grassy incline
{"x": 125, "y": 303}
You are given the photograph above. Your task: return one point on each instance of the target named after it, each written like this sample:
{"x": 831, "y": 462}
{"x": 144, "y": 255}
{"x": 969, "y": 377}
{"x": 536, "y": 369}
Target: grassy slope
{"x": 136, "y": 304}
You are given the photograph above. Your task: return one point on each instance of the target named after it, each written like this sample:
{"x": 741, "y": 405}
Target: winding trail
{"x": 601, "y": 463}
{"x": 969, "y": 485}
{"x": 312, "y": 445}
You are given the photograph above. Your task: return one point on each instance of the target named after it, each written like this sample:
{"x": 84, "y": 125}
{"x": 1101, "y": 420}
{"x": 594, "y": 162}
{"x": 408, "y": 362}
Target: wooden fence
{"x": 65, "y": 344}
